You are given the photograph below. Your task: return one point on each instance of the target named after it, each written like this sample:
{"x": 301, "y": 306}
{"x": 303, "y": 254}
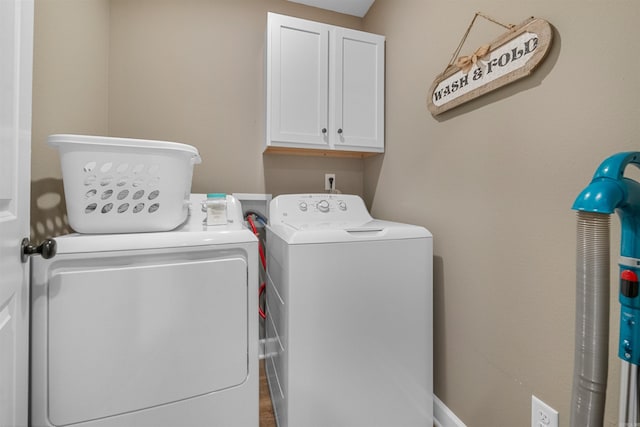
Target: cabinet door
{"x": 297, "y": 82}
{"x": 357, "y": 98}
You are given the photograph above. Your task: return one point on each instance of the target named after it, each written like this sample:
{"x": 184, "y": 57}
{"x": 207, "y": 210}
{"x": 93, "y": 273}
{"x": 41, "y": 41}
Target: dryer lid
{"x": 85, "y": 243}
{"x": 96, "y": 243}
{"x": 192, "y": 233}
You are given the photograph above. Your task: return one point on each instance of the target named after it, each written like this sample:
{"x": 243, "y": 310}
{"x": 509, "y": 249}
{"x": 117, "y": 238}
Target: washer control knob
{"x": 323, "y": 206}
{"x": 302, "y": 206}
{"x": 342, "y": 205}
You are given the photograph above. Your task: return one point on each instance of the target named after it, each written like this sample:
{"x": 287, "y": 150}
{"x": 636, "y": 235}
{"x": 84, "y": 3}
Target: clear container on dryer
{"x": 216, "y": 208}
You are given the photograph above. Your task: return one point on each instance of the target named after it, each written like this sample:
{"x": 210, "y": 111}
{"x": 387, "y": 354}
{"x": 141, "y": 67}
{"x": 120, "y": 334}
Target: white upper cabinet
{"x": 325, "y": 87}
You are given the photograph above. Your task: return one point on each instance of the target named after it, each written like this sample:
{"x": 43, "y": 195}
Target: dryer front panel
{"x": 123, "y": 336}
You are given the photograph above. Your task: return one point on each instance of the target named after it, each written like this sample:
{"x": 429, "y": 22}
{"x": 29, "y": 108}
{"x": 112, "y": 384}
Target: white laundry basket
{"x": 121, "y": 185}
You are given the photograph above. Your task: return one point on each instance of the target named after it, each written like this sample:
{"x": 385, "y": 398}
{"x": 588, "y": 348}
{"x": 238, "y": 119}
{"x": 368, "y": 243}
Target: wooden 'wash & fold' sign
{"x": 513, "y": 55}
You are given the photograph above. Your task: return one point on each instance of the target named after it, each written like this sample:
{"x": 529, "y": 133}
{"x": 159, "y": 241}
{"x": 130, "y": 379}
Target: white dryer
{"x": 148, "y": 329}
{"x": 349, "y": 315}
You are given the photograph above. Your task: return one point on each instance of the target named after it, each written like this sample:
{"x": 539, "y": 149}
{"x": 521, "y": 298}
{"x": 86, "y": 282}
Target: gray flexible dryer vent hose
{"x": 592, "y": 320}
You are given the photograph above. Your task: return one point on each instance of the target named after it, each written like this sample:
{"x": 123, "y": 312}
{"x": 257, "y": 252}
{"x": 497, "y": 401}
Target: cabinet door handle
{"x": 324, "y": 130}
{"x": 340, "y": 130}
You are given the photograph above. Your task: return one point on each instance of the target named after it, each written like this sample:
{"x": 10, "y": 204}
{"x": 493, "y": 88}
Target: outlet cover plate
{"x": 329, "y": 185}
{"x": 542, "y": 415}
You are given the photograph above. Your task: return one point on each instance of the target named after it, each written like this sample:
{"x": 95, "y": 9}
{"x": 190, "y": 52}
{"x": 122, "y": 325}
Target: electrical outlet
{"x": 329, "y": 181}
{"x": 542, "y": 415}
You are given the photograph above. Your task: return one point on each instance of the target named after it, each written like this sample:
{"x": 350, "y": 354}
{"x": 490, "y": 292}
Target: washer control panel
{"x": 323, "y": 205}
{"x": 318, "y": 208}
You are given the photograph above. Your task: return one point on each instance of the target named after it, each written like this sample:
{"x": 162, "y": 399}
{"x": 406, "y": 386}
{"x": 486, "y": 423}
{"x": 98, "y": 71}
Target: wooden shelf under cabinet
{"x": 319, "y": 153}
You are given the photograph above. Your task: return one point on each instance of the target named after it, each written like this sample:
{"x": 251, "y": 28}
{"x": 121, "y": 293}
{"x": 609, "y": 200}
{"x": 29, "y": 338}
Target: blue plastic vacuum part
{"x": 609, "y": 192}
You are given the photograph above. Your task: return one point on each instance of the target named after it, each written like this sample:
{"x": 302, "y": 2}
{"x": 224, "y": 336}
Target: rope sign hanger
{"x": 465, "y": 62}
{"x": 509, "y": 57}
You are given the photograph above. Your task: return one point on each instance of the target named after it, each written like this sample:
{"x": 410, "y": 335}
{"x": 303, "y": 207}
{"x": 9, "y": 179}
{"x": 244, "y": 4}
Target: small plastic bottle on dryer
{"x": 216, "y": 206}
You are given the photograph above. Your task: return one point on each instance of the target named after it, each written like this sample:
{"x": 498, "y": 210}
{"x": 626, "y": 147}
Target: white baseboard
{"x": 443, "y": 415}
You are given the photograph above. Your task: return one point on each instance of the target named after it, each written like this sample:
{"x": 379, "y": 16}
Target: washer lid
{"x": 334, "y": 232}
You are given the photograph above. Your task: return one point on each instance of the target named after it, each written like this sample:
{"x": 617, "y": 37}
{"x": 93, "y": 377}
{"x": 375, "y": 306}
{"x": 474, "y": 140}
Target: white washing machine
{"x": 148, "y": 329}
{"x": 349, "y": 315}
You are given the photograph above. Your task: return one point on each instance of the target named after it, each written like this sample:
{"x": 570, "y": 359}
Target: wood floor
{"x": 266, "y": 410}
